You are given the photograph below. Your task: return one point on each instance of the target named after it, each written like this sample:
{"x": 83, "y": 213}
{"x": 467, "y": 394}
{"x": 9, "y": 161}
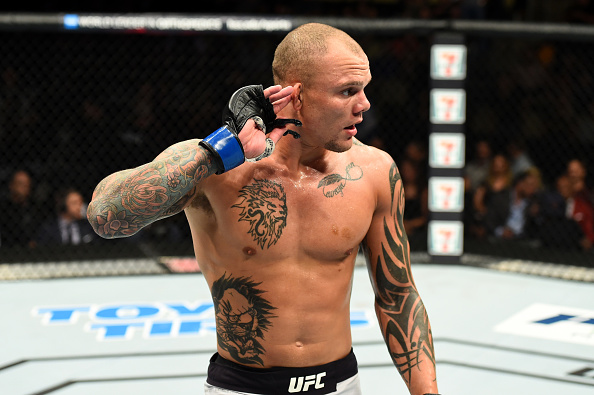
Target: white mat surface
{"x": 495, "y": 333}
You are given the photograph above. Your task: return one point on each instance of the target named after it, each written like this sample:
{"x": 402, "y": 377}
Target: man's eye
{"x": 347, "y": 92}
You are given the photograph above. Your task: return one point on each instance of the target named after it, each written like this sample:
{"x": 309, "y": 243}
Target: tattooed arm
{"x": 126, "y": 201}
{"x": 400, "y": 311}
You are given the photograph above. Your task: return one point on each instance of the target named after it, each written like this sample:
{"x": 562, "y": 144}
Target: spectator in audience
{"x": 416, "y": 151}
{"x": 520, "y": 160}
{"x": 475, "y": 175}
{"x": 18, "y": 211}
{"x": 578, "y": 173}
{"x": 509, "y": 214}
{"x": 416, "y": 210}
{"x": 70, "y": 225}
{"x": 565, "y": 220}
{"x": 581, "y": 211}
{"x": 477, "y": 168}
{"x": 498, "y": 181}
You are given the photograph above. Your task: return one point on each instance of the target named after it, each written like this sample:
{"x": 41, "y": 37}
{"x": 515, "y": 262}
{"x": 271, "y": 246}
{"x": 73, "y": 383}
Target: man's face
{"x": 483, "y": 150}
{"x": 74, "y": 203}
{"x": 575, "y": 170}
{"x": 529, "y": 186}
{"x": 333, "y": 100}
{"x": 20, "y": 186}
{"x": 564, "y": 187}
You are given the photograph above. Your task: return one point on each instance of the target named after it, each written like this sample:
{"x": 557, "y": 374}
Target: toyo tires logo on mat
{"x": 552, "y": 322}
{"x": 149, "y": 320}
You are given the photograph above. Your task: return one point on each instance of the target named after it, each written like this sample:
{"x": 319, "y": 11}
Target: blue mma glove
{"x": 246, "y": 103}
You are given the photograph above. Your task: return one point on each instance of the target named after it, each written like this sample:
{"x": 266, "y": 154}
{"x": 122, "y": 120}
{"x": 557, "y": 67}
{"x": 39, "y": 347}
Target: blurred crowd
{"x": 30, "y": 221}
{"x": 506, "y": 198}
{"x": 76, "y": 108}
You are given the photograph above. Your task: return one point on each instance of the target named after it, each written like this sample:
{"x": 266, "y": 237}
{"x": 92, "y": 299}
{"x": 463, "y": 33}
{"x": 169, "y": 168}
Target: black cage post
{"x": 446, "y": 148}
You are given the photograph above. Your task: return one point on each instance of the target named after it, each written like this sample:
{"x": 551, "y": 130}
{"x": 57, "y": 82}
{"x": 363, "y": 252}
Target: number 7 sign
{"x": 445, "y": 237}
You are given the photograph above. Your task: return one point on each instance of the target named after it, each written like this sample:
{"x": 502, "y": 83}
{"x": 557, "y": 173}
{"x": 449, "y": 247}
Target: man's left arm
{"x": 400, "y": 311}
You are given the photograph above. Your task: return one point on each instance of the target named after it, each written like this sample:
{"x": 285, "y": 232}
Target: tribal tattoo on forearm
{"x": 402, "y": 315}
{"x": 126, "y": 201}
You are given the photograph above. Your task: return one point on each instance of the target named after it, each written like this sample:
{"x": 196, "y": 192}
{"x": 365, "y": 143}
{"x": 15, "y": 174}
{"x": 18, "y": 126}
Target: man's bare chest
{"x": 324, "y": 218}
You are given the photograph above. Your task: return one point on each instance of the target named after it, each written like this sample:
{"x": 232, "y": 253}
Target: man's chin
{"x": 342, "y": 146}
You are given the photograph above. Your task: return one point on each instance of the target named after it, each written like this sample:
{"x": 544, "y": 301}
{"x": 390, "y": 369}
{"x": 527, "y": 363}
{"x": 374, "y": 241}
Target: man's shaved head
{"x": 304, "y": 45}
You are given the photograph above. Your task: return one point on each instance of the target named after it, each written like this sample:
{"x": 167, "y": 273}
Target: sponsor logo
{"x": 448, "y": 62}
{"x": 446, "y": 194}
{"x": 302, "y": 384}
{"x": 445, "y": 238}
{"x": 447, "y": 150}
{"x": 152, "y": 320}
{"x": 448, "y": 106}
{"x": 561, "y": 323}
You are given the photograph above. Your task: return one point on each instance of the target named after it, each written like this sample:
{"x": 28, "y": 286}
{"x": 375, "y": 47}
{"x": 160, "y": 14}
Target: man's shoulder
{"x": 369, "y": 155}
{"x": 376, "y": 165}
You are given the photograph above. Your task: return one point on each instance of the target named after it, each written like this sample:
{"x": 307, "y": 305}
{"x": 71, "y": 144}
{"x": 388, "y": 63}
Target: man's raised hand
{"x": 249, "y": 115}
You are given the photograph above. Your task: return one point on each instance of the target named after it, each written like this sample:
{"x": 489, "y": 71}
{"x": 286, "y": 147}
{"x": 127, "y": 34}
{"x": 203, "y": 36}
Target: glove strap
{"x": 225, "y": 147}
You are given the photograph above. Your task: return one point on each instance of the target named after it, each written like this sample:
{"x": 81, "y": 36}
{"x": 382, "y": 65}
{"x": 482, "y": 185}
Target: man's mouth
{"x": 352, "y": 130}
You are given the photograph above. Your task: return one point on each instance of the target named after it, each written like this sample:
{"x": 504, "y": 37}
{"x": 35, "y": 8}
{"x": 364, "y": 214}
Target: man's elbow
{"x": 109, "y": 224}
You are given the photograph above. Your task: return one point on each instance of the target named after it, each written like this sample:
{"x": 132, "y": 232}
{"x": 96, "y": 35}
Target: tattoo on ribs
{"x": 242, "y": 317}
{"x": 264, "y": 206}
{"x": 407, "y": 324}
{"x": 333, "y": 184}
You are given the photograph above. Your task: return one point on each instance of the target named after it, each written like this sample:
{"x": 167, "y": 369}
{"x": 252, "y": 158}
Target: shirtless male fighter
{"x": 276, "y": 238}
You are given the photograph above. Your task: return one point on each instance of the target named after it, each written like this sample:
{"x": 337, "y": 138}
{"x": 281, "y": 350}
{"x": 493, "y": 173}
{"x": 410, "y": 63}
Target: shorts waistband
{"x": 320, "y": 379}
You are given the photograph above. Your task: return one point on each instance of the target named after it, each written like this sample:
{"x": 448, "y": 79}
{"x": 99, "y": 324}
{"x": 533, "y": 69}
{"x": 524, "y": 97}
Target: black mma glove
{"x": 246, "y": 103}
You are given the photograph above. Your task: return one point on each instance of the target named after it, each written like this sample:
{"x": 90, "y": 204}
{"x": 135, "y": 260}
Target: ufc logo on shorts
{"x": 302, "y": 384}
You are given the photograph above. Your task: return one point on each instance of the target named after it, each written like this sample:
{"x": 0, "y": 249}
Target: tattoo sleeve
{"x": 126, "y": 201}
{"x": 403, "y": 320}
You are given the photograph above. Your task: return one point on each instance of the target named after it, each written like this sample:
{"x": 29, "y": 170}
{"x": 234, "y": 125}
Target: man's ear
{"x": 297, "y": 96}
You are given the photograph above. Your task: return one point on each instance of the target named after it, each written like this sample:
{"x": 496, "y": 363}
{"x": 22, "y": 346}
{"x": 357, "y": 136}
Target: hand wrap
{"x": 246, "y": 103}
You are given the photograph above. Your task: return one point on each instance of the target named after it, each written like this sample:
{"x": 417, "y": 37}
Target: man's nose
{"x": 363, "y": 103}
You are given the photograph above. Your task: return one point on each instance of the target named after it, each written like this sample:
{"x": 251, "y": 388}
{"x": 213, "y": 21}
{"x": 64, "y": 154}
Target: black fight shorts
{"x": 321, "y": 379}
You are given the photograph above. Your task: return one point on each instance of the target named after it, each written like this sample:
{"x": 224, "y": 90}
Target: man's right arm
{"x": 126, "y": 201}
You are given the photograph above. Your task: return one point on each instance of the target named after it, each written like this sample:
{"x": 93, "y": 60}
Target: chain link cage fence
{"x": 77, "y": 105}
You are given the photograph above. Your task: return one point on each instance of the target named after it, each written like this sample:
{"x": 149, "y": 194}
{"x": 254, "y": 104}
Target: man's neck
{"x": 297, "y": 154}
